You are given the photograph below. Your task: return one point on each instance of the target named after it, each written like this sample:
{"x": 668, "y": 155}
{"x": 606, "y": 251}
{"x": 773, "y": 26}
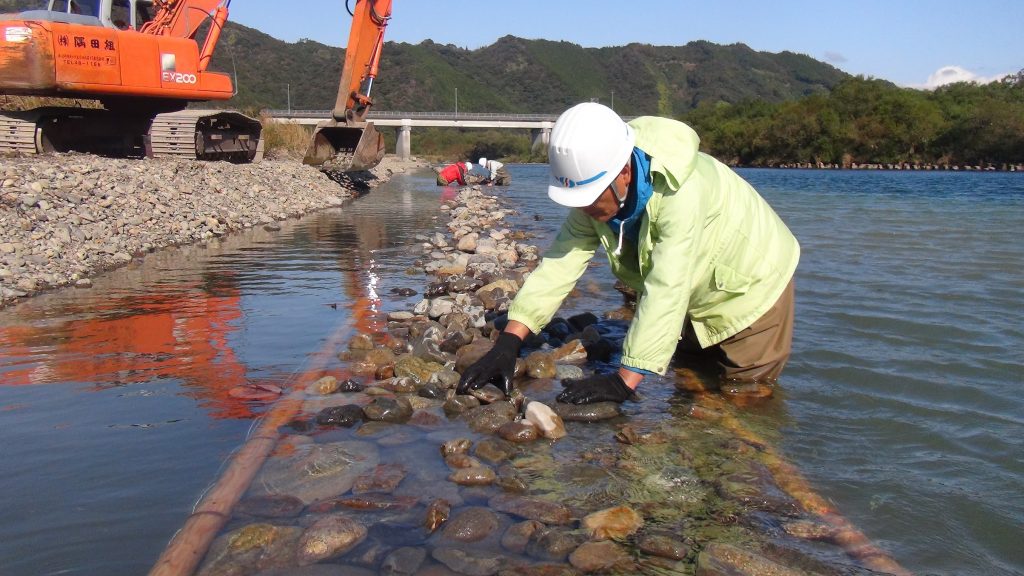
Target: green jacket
{"x": 710, "y": 248}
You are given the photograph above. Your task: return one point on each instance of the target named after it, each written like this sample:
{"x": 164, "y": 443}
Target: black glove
{"x": 497, "y": 366}
{"x": 596, "y": 388}
{"x": 599, "y": 350}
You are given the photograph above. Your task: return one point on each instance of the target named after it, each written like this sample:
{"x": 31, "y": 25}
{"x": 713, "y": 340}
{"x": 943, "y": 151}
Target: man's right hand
{"x": 497, "y": 366}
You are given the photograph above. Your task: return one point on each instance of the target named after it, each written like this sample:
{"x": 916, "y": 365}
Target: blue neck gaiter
{"x": 627, "y": 221}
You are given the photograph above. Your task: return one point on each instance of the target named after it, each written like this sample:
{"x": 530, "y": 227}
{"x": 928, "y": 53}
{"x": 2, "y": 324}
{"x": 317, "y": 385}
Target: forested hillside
{"x": 517, "y": 75}
{"x": 871, "y": 121}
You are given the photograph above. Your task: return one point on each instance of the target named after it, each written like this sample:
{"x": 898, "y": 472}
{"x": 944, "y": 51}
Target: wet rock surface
{"x": 399, "y": 474}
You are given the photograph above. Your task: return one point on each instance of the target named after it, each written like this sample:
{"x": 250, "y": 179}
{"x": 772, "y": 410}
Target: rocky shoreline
{"x": 65, "y": 218}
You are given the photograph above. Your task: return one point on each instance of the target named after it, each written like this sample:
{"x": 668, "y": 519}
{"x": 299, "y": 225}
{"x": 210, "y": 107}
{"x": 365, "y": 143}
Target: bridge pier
{"x": 403, "y": 143}
{"x": 540, "y": 137}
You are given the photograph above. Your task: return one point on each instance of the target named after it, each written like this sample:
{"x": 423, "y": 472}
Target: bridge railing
{"x": 381, "y": 114}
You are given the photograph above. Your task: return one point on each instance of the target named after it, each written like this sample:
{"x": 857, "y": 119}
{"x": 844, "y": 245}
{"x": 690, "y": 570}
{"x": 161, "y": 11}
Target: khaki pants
{"x": 755, "y": 354}
{"x": 502, "y": 177}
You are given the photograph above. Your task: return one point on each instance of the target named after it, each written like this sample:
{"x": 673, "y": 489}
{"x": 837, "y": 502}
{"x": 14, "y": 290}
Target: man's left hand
{"x": 596, "y": 388}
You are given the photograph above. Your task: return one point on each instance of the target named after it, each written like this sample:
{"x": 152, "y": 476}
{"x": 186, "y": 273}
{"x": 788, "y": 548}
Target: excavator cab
{"x": 120, "y": 14}
{"x": 347, "y": 142}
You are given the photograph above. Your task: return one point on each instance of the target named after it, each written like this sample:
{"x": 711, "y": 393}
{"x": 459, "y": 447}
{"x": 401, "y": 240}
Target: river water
{"x": 901, "y": 404}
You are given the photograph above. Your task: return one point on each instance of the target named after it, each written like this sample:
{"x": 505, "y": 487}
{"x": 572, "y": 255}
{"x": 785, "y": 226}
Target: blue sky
{"x": 904, "y": 41}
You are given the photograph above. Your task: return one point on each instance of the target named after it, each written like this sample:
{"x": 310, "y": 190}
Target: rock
{"x": 384, "y": 479}
{"x": 545, "y": 419}
{"x": 277, "y": 506}
{"x": 251, "y": 548}
{"x": 532, "y": 508}
{"x": 494, "y": 450}
{"x": 404, "y": 561}
{"x": 663, "y": 546}
{"x": 437, "y": 514}
{"x": 487, "y": 419}
{"x": 518, "y": 431}
{"x": 394, "y": 410}
{"x": 552, "y": 544}
{"x": 325, "y": 385}
{"x": 471, "y": 524}
{"x": 345, "y": 416}
{"x": 726, "y": 560}
{"x": 316, "y": 471}
{"x": 599, "y": 556}
{"x": 519, "y": 534}
{"x": 469, "y": 562}
{"x": 587, "y": 412}
{"x": 612, "y": 523}
{"x": 329, "y": 537}
{"x": 475, "y": 476}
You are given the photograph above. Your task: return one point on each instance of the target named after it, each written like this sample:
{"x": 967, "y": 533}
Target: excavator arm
{"x": 347, "y": 142}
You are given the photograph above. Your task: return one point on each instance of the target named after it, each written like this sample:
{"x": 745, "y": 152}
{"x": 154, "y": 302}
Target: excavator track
{"x": 17, "y": 134}
{"x": 191, "y": 134}
{"x": 205, "y": 135}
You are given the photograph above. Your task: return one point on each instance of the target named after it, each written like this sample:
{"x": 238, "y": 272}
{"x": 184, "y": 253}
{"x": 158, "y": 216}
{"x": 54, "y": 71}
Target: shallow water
{"x": 900, "y": 404}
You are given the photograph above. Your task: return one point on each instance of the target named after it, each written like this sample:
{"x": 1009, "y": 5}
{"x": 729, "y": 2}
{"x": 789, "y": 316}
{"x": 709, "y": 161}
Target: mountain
{"x": 519, "y": 75}
{"x": 513, "y": 74}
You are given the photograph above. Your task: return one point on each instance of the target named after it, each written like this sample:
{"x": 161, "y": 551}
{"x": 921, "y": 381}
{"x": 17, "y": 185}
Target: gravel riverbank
{"x": 67, "y": 217}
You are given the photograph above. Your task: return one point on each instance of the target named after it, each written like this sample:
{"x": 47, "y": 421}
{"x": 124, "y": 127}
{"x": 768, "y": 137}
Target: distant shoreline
{"x": 862, "y": 167}
{"x": 904, "y": 167}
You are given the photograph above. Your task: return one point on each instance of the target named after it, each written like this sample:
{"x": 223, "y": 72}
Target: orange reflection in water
{"x": 181, "y": 335}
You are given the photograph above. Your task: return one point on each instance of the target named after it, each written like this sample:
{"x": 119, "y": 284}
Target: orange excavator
{"x": 144, "y": 61}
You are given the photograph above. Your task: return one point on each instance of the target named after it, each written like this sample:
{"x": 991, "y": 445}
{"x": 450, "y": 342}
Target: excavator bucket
{"x": 345, "y": 148}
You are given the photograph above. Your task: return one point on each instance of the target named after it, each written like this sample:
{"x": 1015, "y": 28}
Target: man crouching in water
{"x": 711, "y": 261}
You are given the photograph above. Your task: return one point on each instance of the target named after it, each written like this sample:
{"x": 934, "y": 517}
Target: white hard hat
{"x": 483, "y": 162}
{"x": 469, "y": 165}
{"x": 589, "y": 146}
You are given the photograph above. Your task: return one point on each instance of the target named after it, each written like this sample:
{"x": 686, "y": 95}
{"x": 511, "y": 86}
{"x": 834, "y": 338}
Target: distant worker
{"x": 711, "y": 261}
{"x": 454, "y": 173}
{"x": 497, "y": 175}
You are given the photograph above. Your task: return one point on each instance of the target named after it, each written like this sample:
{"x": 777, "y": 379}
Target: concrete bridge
{"x": 539, "y": 125}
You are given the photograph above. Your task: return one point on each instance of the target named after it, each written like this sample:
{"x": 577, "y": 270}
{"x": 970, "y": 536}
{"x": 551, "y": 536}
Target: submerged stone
{"x": 587, "y": 412}
{"x": 384, "y": 479}
{"x": 474, "y": 476}
{"x": 518, "y": 535}
{"x": 271, "y": 506}
{"x": 471, "y": 524}
{"x": 325, "y": 385}
{"x": 532, "y": 508}
{"x": 394, "y": 410}
{"x": 437, "y": 513}
{"x": 726, "y": 560}
{"x": 316, "y": 471}
{"x": 469, "y": 562}
{"x": 600, "y": 556}
{"x": 519, "y": 431}
{"x": 345, "y": 416}
{"x": 250, "y": 549}
{"x": 404, "y": 561}
{"x": 613, "y": 523}
{"x": 487, "y": 419}
{"x": 329, "y": 537}
{"x": 663, "y": 546}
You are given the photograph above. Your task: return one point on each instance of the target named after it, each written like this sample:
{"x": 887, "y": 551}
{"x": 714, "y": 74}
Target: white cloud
{"x": 952, "y": 74}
